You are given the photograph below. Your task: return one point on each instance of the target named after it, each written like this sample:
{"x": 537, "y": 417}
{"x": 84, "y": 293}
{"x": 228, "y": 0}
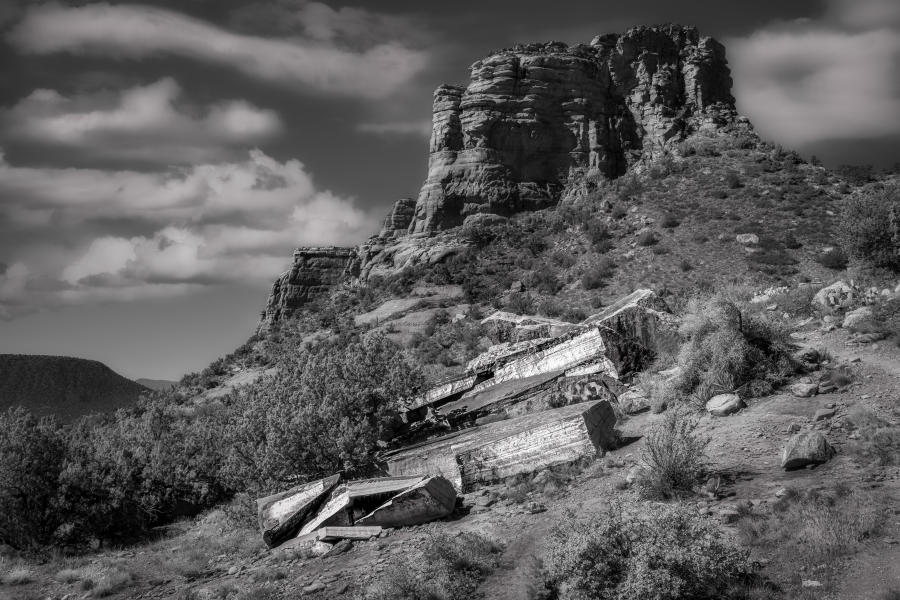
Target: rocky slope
{"x": 537, "y": 123}
{"x": 63, "y": 386}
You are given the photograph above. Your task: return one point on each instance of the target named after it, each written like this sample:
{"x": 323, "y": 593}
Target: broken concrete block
{"x": 431, "y": 499}
{"x": 350, "y": 501}
{"x": 282, "y": 515}
{"x": 487, "y": 453}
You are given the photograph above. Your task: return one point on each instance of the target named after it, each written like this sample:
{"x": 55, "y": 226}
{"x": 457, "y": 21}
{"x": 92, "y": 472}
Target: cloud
{"x": 309, "y": 63}
{"x": 809, "y": 81}
{"x": 416, "y": 128}
{"x": 233, "y": 222}
{"x": 140, "y": 123}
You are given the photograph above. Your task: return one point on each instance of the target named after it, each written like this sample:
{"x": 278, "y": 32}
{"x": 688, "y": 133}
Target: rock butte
{"x": 533, "y": 125}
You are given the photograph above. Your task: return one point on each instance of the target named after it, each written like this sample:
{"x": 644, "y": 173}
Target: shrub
{"x": 31, "y": 458}
{"x": 870, "y": 228}
{"x": 663, "y": 552}
{"x": 685, "y": 265}
{"x": 729, "y": 348}
{"x": 877, "y": 440}
{"x": 834, "y": 259}
{"x": 598, "y": 273}
{"x": 673, "y": 457}
{"x": 670, "y": 221}
{"x": 817, "y": 525}
{"x": 449, "y": 568}
{"x": 619, "y": 211}
{"x": 648, "y": 238}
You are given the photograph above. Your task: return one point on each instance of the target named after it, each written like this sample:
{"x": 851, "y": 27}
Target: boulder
{"x": 633, "y": 402}
{"x": 806, "y": 448}
{"x": 805, "y": 390}
{"x": 856, "y": 317}
{"x": 723, "y": 405}
{"x": 823, "y": 413}
{"x": 836, "y": 295}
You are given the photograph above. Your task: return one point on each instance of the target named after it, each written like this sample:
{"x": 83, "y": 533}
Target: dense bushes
{"x": 321, "y": 413}
{"x": 113, "y": 476}
{"x": 449, "y": 568}
{"x": 871, "y": 227}
{"x": 31, "y": 453}
{"x": 728, "y": 347}
{"x": 664, "y": 552}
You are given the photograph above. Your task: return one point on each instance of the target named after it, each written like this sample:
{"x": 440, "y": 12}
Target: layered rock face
{"x": 535, "y": 118}
{"x": 314, "y": 272}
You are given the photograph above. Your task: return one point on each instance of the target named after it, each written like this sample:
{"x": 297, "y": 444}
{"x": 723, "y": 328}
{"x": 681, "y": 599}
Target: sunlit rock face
{"x": 535, "y": 117}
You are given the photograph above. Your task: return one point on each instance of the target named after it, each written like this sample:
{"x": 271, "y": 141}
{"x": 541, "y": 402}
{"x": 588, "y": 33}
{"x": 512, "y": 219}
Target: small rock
{"x": 724, "y": 405}
{"x": 234, "y": 570}
{"x": 823, "y": 413}
{"x": 811, "y": 583}
{"x": 314, "y": 587}
{"x": 807, "y": 448}
{"x": 856, "y": 317}
{"x": 747, "y": 239}
{"x": 633, "y": 402}
{"x": 804, "y": 390}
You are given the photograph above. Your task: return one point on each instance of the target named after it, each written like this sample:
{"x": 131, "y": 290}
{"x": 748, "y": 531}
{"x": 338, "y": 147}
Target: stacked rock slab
{"x": 535, "y": 117}
{"x": 282, "y": 515}
{"x": 313, "y": 273}
{"x": 488, "y": 453}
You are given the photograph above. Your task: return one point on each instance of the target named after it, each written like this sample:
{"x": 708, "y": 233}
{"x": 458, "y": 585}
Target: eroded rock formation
{"x": 534, "y": 118}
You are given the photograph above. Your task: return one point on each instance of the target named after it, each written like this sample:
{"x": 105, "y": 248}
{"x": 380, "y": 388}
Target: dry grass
{"x": 18, "y": 575}
{"x": 808, "y": 528}
{"x": 673, "y": 457}
{"x": 878, "y": 440}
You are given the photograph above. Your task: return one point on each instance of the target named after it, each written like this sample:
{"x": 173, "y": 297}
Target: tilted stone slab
{"x": 559, "y": 357}
{"x": 335, "y": 534}
{"x": 488, "y": 453}
{"x": 448, "y": 389}
{"x": 493, "y": 397}
{"x": 282, "y": 515}
{"x": 430, "y": 499}
{"x": 353, "y": 500}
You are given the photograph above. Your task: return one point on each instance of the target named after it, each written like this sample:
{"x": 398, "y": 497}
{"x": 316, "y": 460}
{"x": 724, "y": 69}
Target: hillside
{"x": 63, "y": 386}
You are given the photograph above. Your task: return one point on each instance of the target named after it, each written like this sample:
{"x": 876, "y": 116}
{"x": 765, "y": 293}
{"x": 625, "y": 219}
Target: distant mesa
{"x": 63, "y": 386}
{"x": 535, "y": 123}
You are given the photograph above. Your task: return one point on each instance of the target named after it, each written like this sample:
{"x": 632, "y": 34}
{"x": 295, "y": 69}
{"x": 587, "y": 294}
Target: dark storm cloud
{"x": 811, "y": 82}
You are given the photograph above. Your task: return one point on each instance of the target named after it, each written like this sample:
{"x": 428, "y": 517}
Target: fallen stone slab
{"x": 499, "y": 354}
{"x": 806, "y": 448}
{"x": 516, "y": 327}
{"x": 494, "y": 397}
{"x": 446, "y": 391}
{"x": 641, "y": 318}
{"x": 431, "y": 499}
{"x": 282, "y": 515}
{"x": 561, "y": 356}
{"x": 349, "y": 502}
{"x": 335, "y": 534}
{"x": 491, "y": 452}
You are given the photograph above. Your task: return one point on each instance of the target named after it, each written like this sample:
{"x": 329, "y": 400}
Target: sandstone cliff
{"x": 534, "y": 123}
{"x": 535, "y": 117}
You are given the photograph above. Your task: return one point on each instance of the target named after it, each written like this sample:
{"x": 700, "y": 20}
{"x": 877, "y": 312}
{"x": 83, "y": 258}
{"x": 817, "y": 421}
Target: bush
{"x": 834, "y": 259}
{"x": 31, "y": 457}
{"x": 663, "y": 552}
{"x": 673, "y": 457}
{"x": 870, "y": 228}
{"x": 670, "y": 221}
{"x": 450, "y": 568}
{"x": 729, "y": 348}
{"x": 878, "y": 441}
{"x": 648, "y": 238}
{"x": 598, "y": 273}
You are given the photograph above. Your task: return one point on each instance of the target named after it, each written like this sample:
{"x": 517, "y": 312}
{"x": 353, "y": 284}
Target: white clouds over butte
{"x": 809, "y": 81}
{"x": 232, "y": 222}
{"x": 140, "y": 123}
{"x": 318, "y": 62}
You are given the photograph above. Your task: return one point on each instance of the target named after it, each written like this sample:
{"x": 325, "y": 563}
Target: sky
{"x": 159, "y": 161}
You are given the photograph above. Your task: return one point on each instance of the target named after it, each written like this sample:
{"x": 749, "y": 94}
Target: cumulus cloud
{"x": 209, "y": 224}
{"x": 808, "y": 81}
{"x": 308, "y": 62}
{"x": 140, "y": 123}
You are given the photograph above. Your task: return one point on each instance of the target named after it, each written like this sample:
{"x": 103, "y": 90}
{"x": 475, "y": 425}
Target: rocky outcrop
{"x": 313, "y": 273}
{"x": 399, "y": 219}
{"x": 537, "y": 117}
